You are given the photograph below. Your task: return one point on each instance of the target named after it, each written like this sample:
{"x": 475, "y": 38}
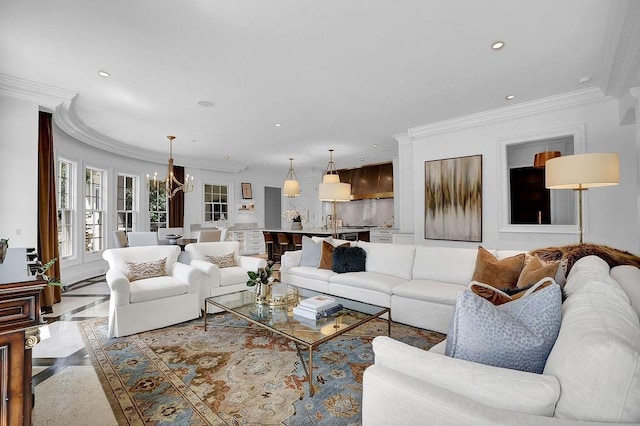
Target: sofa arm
{"x": 290, "y": 259}
{"x": 495, "y": 387}
{"x": 187, "y": 274}
{"x": 251, "y": 263}
{"x": 119, "y": 286}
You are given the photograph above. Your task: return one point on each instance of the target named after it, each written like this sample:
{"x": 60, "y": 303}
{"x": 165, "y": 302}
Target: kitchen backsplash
{"x": 367, "y": 212}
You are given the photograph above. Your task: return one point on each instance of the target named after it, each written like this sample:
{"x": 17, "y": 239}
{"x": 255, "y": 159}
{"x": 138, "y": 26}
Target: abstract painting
{"x": 453, "y": 199}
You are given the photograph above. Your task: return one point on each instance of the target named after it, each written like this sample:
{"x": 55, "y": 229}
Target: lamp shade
{"x": 331, "y": 178}
{"x": 582, "y": 171}
{"x": 541, "y": 158}
{"x": 334, "y": 192}
{"x": 291, "y": 188}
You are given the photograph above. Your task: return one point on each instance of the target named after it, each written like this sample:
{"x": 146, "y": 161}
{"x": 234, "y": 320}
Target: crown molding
{"x": 46, "y": 96}
{"x": 61, "y": 102}
{"x": 553, "y": 103}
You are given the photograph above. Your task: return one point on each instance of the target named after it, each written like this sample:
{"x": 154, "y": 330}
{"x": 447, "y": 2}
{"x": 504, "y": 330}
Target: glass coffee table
{"x": 308, "y": 333}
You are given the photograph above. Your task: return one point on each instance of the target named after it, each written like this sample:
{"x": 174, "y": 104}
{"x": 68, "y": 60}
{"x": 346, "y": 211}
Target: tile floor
{"x": 67, "y": 390}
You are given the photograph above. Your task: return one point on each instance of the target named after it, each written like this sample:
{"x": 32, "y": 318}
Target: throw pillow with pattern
{"x": 152, "y": 269}
{"x": 226, "y": 261}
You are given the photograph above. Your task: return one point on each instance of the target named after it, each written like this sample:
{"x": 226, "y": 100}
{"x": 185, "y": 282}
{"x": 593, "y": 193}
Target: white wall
{"x": 610, "y": 213}
{"x": 19, "y": 172}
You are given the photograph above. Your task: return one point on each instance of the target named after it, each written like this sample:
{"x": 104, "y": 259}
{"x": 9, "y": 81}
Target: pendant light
{"x": 334, "y": 191}
{"x": 291, "y": 186}
{"x": 541, "y": 158}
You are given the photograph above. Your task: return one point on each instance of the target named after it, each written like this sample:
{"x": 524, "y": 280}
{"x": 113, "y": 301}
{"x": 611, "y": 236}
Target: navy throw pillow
{"x": 349, "y": 259}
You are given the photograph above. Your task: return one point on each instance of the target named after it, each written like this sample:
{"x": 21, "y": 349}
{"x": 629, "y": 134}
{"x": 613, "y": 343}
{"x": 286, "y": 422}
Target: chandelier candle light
{"x": 170, "y": 183}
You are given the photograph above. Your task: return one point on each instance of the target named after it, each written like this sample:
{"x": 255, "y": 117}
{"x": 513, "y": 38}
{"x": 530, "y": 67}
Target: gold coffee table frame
{"x": 280, "y": 320}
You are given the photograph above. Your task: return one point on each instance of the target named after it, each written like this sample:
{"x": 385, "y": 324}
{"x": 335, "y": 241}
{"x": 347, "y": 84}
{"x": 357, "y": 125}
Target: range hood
{"x": 372, "y": 181}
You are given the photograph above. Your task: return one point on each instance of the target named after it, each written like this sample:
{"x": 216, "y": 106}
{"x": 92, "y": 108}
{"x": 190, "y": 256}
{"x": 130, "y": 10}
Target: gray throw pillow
{"x": 517, "y": 335}
{"x": 311, "y": 252}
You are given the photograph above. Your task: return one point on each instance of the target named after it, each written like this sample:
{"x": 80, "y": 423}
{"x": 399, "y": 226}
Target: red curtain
{"x": 176, "y": 203}
{"x": 47, "y": 211}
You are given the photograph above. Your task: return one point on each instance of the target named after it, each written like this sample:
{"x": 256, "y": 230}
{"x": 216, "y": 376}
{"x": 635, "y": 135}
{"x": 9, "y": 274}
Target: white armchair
{"x": 217, "y": 281}
{"x": 150, "y": 303}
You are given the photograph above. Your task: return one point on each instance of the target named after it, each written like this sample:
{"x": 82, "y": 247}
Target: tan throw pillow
{"x": 492, "y": 294}
{"x": 500, "y": 274}
{"x": 326, "y": 257}
{"x": 535, "y": 270}
{"x": 225, "y": 261}
{"x": 139, "y": 271}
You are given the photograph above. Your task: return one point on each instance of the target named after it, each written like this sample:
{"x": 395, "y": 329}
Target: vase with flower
{"x": 262, "y": 281}
{"x": 295, "y": 217}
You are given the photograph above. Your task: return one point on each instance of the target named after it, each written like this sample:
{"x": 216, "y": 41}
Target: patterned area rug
{"x": 234, "y": 374}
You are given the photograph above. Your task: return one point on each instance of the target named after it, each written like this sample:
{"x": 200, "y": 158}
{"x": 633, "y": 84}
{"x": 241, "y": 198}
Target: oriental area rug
{"x": 234, "y": 373}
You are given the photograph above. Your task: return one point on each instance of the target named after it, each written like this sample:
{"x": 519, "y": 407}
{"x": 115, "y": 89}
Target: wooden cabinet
{"x": 19, "y": 333}
{"x": 374, "y": 181}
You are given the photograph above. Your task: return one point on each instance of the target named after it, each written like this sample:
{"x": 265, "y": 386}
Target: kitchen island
{"x": 274, "y": 248}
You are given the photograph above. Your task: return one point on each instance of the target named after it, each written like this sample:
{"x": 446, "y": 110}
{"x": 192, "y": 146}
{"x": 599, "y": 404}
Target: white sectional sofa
{"x": 592, "y": 375}
{"x": 418, "y": 283}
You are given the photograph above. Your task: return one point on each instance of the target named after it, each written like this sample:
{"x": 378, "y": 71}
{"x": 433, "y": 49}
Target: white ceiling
{"x": 336, "y": 74}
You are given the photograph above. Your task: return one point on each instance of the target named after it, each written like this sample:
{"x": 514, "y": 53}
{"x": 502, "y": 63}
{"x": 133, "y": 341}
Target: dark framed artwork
{"x": 453, "y": 199}
{"x": 246, "y": 191}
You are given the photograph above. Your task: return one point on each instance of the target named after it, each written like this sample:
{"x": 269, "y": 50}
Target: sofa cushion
{"x": 225, "y": 261}
{"x": 156, "y": 288}
{"x": 517, "y": 335}
{"x": 311, "y": 273}
{"x": 349, "y": 259}
{"x": 368, "y": 280}
{"x": 326, "y": 256}
{"x": 311, "y": 251}
{"x": 389, "y": 259}
{"x": 493, "y": 387}
{"x": 502, "y": 273}
{"x": 444, "y": 264}
{"x": 629, "y": 279}
{"x": 597, "y": 355}
{"x": 141, "y": 270}
{"x": 429, "y": 291}
{"x": 535, "y": 270}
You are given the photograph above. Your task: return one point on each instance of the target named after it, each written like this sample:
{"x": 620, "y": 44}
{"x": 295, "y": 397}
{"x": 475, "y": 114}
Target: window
{"x": 94, "y": 210}
{"x": 126, "y": 202}
{"x": 65, "y": 208}
{"x": 215, "y": 202}
{"x": 157, "y": 206}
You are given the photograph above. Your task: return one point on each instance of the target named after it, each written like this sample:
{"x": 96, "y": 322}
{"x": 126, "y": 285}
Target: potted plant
{"x": 262, "y": 281}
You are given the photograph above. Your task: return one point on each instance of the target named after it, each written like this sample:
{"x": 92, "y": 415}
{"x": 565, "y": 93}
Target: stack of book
{"x": 316, "y": 307}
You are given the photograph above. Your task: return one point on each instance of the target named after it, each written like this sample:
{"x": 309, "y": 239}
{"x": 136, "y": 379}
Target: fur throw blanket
{"x": 572, "y": 253}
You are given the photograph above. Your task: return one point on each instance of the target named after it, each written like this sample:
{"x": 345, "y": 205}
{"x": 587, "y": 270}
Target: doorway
{"x": 272, "y": 207}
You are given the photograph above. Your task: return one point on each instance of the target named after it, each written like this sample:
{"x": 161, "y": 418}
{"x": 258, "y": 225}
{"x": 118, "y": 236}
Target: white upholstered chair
{"x": 150, "y": 303}
{"x": 137, "y": 239}
{"x": 209, "y": 235}
{"x": 217, "y": 281}
{"x": 120, "y": 238}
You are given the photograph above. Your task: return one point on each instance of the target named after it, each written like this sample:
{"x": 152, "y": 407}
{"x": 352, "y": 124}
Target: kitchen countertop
{"x": 318, "y": 231}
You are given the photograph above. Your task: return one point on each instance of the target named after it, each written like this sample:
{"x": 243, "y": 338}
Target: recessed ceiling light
{"x": 584, "y": 80}
{"x": 205, "y": 104}
{"x": 497, "y": 45}
{"x": 509, "y": 97}
{"x": 375, "y": 145}
{"x": 226, "y": 157}
{"x": 104, "y": 74}
{"x": 361, "y": 158}
{"x": 278, "y": 125}
{"x": 265, "y": 163}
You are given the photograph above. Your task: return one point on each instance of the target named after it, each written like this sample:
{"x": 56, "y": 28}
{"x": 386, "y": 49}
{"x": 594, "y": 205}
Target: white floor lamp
{"x": 581, "y": 172}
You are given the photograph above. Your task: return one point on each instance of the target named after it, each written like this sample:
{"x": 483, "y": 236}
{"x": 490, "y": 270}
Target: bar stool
{"x": 297, "y": 241}
{"x": 268, "y": 244}
{"x": 283, "y": 245}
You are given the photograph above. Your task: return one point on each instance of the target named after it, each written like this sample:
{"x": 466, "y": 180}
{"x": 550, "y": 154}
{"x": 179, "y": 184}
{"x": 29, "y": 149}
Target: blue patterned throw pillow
{"x": 518, "y": 335}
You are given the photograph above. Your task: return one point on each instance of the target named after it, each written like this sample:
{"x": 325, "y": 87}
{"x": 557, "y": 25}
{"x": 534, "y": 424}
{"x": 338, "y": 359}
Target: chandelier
{"x": 291, "y": 185}
{"x": 170, "y": 183}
